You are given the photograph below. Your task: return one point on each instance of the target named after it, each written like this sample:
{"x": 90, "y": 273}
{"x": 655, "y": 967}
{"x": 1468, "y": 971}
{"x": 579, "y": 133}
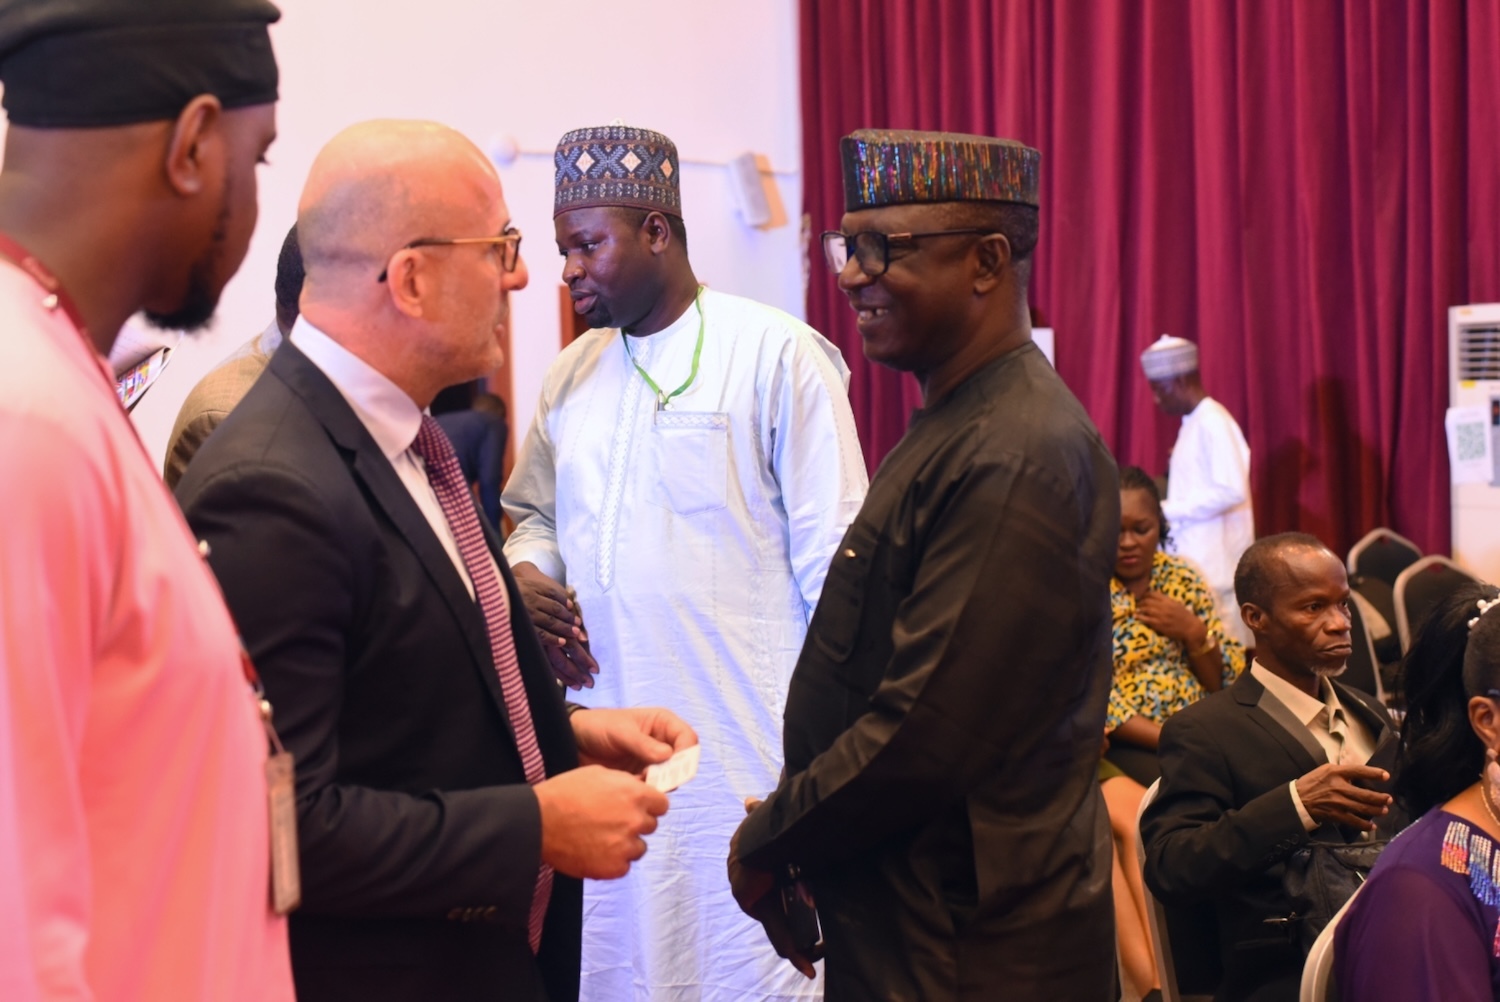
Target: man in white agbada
{"x": 691, "y": 469}
{"x": 1208, "y": 478}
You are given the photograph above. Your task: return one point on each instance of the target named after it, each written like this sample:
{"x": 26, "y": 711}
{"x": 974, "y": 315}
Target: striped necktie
{"x": 458, "y": 508}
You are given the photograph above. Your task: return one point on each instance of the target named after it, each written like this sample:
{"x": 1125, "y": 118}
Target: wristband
{"x": 1209, "y": 644}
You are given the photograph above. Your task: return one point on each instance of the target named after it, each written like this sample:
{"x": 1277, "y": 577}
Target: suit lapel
{"x": 386, "y": 491}
{"x": 1278, "y": 720}
{"x": 1387, "y": 749}
{"x": 1280, "y": 723}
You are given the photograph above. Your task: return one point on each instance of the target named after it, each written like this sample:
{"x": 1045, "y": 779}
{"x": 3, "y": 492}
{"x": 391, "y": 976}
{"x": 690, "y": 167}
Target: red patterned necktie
{"x": 458, "y": 507}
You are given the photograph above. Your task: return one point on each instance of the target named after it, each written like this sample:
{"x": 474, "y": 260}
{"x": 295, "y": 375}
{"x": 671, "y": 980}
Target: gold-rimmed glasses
{"x": 509, "y": 243}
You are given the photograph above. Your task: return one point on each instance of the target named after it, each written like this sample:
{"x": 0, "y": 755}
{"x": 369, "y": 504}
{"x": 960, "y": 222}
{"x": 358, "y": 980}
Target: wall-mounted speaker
{"x": 749, "y": 190}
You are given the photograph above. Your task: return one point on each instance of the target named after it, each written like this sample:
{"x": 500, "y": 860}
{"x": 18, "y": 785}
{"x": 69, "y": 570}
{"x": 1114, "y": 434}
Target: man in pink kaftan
{"x": 134, "y": 835}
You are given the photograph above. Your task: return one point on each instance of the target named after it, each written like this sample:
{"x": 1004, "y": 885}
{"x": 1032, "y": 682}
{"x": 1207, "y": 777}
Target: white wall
{"x": 718, "y": 77}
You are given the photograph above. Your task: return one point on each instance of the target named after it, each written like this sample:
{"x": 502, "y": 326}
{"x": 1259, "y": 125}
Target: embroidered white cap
{"x": 1169, "y": 356}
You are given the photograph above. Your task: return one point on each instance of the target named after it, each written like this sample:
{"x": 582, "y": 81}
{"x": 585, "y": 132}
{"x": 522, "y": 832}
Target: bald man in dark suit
{"x": 444, "y": 817}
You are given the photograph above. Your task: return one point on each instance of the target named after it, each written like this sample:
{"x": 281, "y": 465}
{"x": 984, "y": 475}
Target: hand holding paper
{"x": 630, "y": 739}
{"x": 669, "y": 775}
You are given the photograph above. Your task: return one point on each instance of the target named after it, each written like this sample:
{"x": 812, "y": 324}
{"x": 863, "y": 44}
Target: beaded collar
{"x": 1469, "y": 852}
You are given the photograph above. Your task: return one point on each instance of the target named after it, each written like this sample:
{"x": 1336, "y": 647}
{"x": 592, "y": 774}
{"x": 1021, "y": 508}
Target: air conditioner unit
{"x": 1474, "y": 381}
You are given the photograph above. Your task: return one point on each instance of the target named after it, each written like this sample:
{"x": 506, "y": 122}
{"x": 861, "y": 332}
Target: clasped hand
{"x": 1172, "y": 619}
{"x": 756, "y": 893}
{"x": 558, "y": 620}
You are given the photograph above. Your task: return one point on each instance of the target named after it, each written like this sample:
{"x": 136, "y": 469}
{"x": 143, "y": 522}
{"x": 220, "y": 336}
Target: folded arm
{"x": 815, "y": 455}
{"x": 985, "y": 675}
{"x": 530, "y": 499}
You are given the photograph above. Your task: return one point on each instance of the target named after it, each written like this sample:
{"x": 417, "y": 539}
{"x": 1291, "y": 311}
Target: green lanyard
{"x": 663, "y": 399}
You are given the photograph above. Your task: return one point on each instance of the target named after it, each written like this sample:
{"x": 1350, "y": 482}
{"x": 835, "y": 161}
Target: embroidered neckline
{"x": 1471, "y": 853}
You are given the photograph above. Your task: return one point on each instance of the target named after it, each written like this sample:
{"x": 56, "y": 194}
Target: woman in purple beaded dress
{"x": 1426, "y": 925}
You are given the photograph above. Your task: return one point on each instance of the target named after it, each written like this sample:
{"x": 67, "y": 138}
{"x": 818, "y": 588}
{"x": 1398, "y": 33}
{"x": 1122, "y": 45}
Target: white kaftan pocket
{"x": 687, "y": 461}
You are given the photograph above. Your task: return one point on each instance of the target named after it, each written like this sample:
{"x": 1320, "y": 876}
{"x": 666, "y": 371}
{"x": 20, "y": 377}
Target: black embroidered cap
{"x": 93, "y": 63}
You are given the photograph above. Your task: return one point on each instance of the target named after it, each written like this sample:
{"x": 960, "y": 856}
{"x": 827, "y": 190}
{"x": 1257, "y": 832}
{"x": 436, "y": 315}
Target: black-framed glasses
{"x": 872, "y": 249}
{"x": 509, "y": 243}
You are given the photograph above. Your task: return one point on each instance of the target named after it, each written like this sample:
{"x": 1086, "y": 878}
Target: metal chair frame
{"x": 1166, "y": 967}
{"x": 1405, "y": 628}
{"x": 1317, "y": 972}
{"x": 1379, "y": 537}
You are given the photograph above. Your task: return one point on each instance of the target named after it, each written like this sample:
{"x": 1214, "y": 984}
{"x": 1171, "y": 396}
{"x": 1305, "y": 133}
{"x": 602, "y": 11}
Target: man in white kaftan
{"x": 695, "y": 537}
{"x": 1208, "y": 477}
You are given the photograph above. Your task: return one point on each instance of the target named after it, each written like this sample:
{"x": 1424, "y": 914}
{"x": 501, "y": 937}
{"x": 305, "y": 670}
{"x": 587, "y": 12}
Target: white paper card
{"x": 669, "y": 775}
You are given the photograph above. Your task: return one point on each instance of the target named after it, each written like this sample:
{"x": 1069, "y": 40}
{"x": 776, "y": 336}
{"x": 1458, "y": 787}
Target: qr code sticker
{"x": 1470, "y": 441}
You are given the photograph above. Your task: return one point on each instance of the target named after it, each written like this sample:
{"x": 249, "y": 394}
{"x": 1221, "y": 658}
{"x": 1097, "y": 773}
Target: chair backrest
{"x": 1382, "y": 554}
{"x": 1363, "y": 672}
{"x": 1418, "y": 590}
{"x": 1381, "y": 598}
{"x": 1317, "y": 972}
{"x": 1161, "y": 939}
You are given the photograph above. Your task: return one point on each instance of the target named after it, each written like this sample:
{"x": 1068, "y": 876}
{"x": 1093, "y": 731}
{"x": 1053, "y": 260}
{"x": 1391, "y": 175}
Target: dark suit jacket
{"x": 1223, "y": 823}
{"x": 420, "y": 839}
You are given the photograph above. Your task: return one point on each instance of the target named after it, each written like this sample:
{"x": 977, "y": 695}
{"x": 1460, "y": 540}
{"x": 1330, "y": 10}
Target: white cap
{"x": 1169, "y": 356}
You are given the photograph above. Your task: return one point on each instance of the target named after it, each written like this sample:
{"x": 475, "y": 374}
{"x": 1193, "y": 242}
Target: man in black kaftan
{"x": 944, "y": 721}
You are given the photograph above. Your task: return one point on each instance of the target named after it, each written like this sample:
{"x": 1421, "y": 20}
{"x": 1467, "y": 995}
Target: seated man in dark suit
{"x": 1254, "y": 771}
{"x": 444, "y": 819}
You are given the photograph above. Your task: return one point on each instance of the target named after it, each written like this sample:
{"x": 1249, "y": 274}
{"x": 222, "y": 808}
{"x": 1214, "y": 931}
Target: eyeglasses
{"x": 509, "y": 243}
{"x": 872, "y": 250}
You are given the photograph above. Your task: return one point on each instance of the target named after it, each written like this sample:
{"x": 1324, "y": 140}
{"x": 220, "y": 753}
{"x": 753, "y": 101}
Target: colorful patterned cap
{"x": 889, "y": 167}
{"x": 1169, "y": 356}
{"x": 616, "y": 165}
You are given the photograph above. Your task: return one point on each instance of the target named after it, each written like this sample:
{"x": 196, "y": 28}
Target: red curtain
{"x": 1301, "y": 187}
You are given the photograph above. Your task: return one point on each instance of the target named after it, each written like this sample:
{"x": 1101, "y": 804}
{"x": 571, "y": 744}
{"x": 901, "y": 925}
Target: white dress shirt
{"x": 391, "y": 417}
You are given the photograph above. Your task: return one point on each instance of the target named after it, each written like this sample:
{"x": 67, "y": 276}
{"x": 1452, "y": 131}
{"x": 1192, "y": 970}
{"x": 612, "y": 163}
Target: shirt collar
{"x": 391, "y": 417}
{"x": 1198, "y": 410}
{"x": 687, "y": 320}
{"x": 270, "y": 338}
{"x": 1304, "y": 707}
